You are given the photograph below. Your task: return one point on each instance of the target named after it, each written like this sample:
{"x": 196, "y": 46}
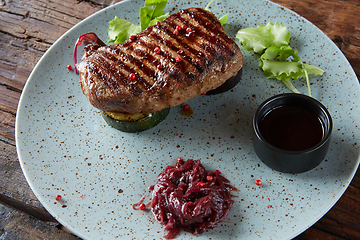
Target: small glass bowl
{"x": 282, "y": 159}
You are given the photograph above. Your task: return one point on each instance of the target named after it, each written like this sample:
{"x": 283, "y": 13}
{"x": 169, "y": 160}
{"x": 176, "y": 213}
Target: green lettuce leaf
{"x": 284, "y": 63}
{"x": 257, "y": 39}
{"x": 153, "y": 9}
{"x": 278, "y": 59}
{"x": 120, "y": 30}
{"x": 224, "y": 19}
{"x": 158, "y": 19}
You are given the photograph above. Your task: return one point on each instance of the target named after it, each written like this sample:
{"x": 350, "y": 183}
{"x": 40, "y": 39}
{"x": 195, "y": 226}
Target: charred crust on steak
{"x": 208, "y": 58}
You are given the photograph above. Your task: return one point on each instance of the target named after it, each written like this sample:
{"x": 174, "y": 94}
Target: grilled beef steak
{"x": 165, "y": 65}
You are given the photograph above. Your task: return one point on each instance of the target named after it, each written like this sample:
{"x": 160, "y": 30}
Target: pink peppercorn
{"x": 218, "y": 172}
{"x": 188, "y": 29}
{"x": 178, "y": 59}
{"x": 157, "y": 50}
{"x": 178, "y": 28}
{"x": 159, "y": 67}
{"x": 176, "y": 32}
{"x": 157, "y": 23}
{"x": 142, "y": 206}
{"x": 68, "y": 67}
{"x": 58, "y": 197}
{"x": 132, "y": 37}
{"x": 258, "y": 182}
{"x": 209, "y": 178}
{"x": 132, "y": 76}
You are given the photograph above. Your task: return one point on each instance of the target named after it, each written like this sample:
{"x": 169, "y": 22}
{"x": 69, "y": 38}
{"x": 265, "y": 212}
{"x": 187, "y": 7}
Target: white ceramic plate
{"x": 66, "y": 148}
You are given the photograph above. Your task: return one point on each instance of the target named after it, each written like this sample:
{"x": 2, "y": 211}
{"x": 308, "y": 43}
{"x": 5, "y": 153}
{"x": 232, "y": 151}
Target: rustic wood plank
{"x": 23, "y": 226}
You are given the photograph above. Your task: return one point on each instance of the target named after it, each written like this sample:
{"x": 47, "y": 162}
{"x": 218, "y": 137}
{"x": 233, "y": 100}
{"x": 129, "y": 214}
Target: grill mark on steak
{"x": 207, "y": 58}
{"x": 203, "y": 24}
{"x": 104, "y": 66}
{"x": 124, "y": 60}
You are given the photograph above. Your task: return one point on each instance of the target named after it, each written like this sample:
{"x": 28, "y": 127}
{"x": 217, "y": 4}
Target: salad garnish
{"x": 277, "y": 59}
{"x": 153, "y": 11}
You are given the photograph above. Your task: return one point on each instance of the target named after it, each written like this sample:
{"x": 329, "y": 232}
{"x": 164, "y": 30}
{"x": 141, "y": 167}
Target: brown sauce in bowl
{"x": 292, "y": 128}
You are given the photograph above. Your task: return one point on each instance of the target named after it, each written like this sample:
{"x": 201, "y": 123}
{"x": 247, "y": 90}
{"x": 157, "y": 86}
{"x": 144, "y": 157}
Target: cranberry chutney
{"x": 291, "y": 132}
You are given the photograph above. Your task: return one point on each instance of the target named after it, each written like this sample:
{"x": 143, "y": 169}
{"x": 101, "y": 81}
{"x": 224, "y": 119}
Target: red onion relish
{"x": 187, "y": 197}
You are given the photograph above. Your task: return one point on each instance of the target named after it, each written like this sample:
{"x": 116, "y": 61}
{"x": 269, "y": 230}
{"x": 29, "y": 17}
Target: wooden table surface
{"x": 27, "y": 30}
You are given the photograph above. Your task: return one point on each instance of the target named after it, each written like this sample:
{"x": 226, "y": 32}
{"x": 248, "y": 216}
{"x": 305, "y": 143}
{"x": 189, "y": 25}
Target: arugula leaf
{"x": 153, "y": 9}
{"x": 120, "y": 30}
{"x": 257, "y": 39}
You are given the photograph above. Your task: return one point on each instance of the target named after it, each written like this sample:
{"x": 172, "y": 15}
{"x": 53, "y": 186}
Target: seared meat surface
{"x": 165, "y": 65}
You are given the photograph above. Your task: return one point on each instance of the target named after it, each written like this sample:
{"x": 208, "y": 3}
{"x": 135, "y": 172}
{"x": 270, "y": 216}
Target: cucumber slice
{"x": 135, "y": 123}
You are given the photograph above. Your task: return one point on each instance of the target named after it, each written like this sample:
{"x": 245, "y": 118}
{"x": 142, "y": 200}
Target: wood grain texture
{"x": 27, "y": 30}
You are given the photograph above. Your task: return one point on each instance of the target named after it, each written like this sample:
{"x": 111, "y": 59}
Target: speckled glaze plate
{"x": 66, "y": 148}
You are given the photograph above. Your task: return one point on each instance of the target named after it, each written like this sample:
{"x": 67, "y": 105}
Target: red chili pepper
{"x": 132, "y": 76}
{"x": 258, "y": 182}
{"x": 58, "y": 197}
